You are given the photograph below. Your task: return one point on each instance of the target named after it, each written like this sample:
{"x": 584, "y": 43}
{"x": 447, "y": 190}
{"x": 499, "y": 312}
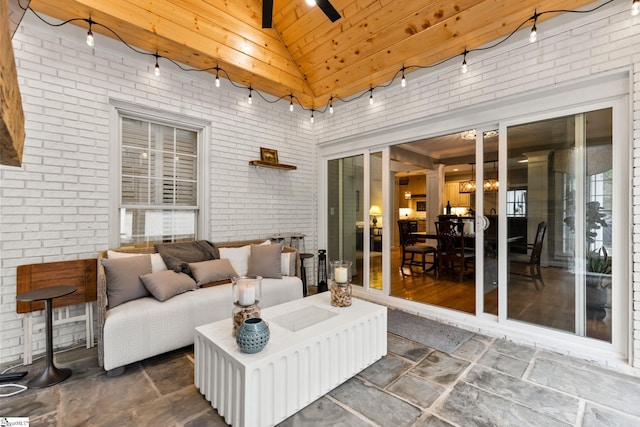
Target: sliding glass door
{"x": 346, "y": 211}
{"x": 559, "y": 199}
{"x": 376, "y": 234}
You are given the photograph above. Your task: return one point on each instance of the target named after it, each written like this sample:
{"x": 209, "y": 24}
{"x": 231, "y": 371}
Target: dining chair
{"x": 532, "y": 268}
{"x": 410, "y": 248}
{"x": 453, "y": 257}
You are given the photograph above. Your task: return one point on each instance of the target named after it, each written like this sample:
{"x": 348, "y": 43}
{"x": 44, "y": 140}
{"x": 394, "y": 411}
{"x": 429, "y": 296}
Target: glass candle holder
{"x": 247, "y": 290}
{"x": 340, "y": 271}
{"x": 340, "y": 283}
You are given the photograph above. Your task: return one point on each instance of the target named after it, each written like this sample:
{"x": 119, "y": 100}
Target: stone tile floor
{"x": 486, "y": 382}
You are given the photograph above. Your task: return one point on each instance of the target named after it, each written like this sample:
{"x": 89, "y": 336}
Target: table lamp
{"x": 375, "y": 210}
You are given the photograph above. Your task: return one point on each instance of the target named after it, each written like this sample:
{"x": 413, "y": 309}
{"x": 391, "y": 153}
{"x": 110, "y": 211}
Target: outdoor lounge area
{"x": 277, "y": 212}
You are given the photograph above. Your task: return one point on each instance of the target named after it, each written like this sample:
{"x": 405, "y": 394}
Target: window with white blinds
{"x": 159, "y": 182}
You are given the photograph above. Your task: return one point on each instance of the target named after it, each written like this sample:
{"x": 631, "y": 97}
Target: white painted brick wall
{"x": 55, "y": 207}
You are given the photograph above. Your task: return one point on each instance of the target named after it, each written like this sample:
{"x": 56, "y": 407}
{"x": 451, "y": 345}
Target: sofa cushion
{"x": 288, "y": 263}
{"x": 123, "y": 278}
{"x": 166, "y": 284}
{"x": 215, "y": 270}
{"x": 239, "y": 258}
{"x": 157, "y": 264}
{"x": 265, "y": 261}
{"x": 178, "y": 255}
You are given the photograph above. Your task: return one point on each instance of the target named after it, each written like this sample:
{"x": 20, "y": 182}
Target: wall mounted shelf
{"x": 272, "y": 165}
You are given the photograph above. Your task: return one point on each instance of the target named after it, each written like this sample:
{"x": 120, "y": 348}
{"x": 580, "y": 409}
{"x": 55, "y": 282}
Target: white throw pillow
{"x": 239, "y": 258}
{"x": 157, "y": 264}
{"x": 288, "y": 263}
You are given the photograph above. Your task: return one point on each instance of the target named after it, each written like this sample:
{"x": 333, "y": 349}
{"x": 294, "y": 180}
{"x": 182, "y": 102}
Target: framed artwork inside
{"x": 268, "y": 155}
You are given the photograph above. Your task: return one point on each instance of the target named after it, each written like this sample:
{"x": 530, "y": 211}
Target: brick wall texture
{"x": 56, "y": 206}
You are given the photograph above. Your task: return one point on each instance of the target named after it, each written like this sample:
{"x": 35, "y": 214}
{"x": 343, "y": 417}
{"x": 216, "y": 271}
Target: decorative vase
{"x": 253, "y": 335}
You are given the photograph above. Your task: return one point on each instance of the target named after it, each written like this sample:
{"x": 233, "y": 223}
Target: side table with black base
{"x": 51, "y": 375}
{"x": 303, "y": 272}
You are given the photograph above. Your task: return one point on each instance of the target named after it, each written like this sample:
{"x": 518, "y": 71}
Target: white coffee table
{"x": 313, "y": 348}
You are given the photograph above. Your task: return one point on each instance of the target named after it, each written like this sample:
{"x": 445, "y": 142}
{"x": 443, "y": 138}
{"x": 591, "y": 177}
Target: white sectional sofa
{"x": 145, "y": 327}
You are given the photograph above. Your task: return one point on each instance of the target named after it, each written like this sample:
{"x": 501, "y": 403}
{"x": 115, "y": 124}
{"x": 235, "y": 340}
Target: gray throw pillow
{"x": 123, "y": 278}
{"x": 166, "y": 284}
{"x": 265, "y": 261}
{"x": 212, "y": 271}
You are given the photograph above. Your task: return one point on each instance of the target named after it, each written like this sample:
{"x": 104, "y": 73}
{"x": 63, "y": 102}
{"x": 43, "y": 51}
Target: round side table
{"x": 303, "y": 272}
{"x": 51, "y": 375}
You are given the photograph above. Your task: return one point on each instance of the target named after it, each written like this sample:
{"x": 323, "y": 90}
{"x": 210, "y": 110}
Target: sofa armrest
{"x": 101, "y": 305}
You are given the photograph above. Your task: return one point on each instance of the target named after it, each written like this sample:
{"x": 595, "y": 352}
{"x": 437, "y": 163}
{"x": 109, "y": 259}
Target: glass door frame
{"x": 366, "y": 232}
{"x": 621, "y": 294}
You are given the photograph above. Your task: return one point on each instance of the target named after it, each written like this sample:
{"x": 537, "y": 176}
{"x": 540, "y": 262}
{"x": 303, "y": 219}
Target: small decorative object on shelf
{"x": 269, "y": 159}
{"x": 246, "y": 296}
{"x": 322, "y": 271}
{"x": 340, "y": 283}
{"x": 253, "y": 335}
{"x": 268, "y": 155}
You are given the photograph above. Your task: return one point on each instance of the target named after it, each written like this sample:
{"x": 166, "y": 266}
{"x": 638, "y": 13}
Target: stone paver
{"x": 380, "y": 407}
{"x": 440, "y": 368}
{"x": 564, "y": 408}
{"x": 416, "y": 390}
{"x": 595, "y": 416}
{"x": 503, "y": 363}
{"x": 469, "y": 406}
{"x": 385, "y": 370}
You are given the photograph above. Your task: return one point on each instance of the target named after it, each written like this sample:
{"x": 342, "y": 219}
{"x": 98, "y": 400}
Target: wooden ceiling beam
{"x": 201, "y": 45}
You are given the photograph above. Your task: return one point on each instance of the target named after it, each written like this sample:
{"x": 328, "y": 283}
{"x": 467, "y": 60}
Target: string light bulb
{"x": 249, "y": 99}
{"x": 371, "y": 96}
{"x": 464, "y": 68}
{"x": 331, "y": 105}
{"x": 217, "y": 77}
{"x": 311, "y": 2}
{"x": 156, "y": 71}
{"x": 90, "y": 40}
{"x": 403, "y": 81}
{"x": 291, "y": 103}
{"x": 534, "y": 34}
{"x": 534, "y": 31}
{"x": 635, "y": 7}
{"x": 312, "y": 120}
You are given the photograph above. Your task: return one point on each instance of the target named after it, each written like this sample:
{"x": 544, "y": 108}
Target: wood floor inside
{"x": 552, "y": 305}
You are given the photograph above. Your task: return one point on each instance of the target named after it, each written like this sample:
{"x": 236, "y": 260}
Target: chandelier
{"x": 471, "y": 134}
{"x": 487, "y": 185}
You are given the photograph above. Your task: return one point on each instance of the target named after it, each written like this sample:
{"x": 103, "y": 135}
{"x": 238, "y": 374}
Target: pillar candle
{"x": 246, "y": 294}
{"x": 341, "y": 274}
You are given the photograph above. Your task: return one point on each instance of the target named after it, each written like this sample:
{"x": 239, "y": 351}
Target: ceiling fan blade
{"x": 267, "y": 13}
{"x": 328, "y": 10}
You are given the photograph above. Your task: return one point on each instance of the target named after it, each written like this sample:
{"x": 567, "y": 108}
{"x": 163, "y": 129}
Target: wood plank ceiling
{"x": 305, "y": 53}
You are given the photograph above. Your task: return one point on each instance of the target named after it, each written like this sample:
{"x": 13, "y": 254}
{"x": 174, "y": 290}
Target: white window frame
{"x": 122, "y": 109}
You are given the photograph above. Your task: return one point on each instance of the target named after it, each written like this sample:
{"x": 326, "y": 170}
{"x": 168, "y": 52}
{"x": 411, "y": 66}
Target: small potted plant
{"x": 598, "y": 262}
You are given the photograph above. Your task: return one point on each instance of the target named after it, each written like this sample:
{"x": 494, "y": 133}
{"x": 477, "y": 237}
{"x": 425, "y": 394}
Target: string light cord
{"x": 290, "y": 96}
